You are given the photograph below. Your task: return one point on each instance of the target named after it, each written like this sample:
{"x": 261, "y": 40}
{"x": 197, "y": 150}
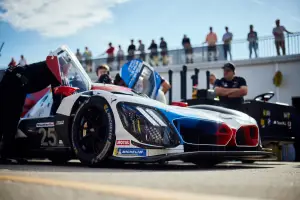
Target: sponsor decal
{"x": 45, "y": 124}
{"x": 286, "y": 115}
{"x": 266, "y": 113}
{"x": 60, "y": 122}
{"x": 262, "y": 123}
{"x": 131, "y": 152}
{"x": 115, "y": 153}
{"x": 280, "y": 123}
{"x": 123, "y": 142}
{"x": 269, "y": 122}
{"x": 289, "y": 124}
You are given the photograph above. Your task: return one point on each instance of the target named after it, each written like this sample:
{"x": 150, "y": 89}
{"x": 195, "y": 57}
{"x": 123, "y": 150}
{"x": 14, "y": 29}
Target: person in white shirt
{"x": 22, "y": 61}
{"x": 227, "y": 37}
{"x": 278, "y": 33}
{"x": 120, "y": 57}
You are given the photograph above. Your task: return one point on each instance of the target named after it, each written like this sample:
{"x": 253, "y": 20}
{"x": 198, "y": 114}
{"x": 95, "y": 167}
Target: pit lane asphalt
{"x": 40, "y": 180}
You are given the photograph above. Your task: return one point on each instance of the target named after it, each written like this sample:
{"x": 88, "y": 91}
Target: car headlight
{"x": 147, "y": 125}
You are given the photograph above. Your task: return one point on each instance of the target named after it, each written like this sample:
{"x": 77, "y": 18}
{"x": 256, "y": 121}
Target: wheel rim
{"x": 92, "y": 131}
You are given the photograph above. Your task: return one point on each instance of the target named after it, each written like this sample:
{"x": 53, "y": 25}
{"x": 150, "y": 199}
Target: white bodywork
{"x": 124, "y": 138}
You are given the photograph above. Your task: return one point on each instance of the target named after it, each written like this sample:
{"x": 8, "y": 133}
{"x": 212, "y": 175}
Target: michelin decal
{"x": 130, "y": 152}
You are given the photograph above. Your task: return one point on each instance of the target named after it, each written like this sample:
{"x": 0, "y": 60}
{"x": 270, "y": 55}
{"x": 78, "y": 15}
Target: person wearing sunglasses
{"x": 231, "y": 89}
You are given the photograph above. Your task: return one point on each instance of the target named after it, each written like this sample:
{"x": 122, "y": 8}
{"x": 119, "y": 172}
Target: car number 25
{"x": 49, "y": 136}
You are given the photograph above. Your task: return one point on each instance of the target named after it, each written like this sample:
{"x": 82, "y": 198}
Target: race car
{"x": 97, "y": 123}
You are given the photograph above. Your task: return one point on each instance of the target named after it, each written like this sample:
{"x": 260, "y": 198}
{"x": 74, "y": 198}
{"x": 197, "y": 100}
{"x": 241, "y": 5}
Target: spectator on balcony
{"x": 186, "y": 43}
{"x": 12, "y": 63}
{"x": 141, "y": 49}
{"x": 227, "y": 38}
{"x": 153, "y": 54}
{"x": 78, "y": 55}
{"x": 131, "y": 50}
{"x": 253, "y": 41}
{"x": 88, "y": 59}
{"x": 22, "y": 61}
{"x": 120, "y": 57}
{"x": 110, "y": 54}
{"x": 164, "y": 51}
{"x": 211, "y": 40}
{"x": 278, "y": 33}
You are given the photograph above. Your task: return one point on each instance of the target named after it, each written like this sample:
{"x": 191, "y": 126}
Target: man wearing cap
{"x": 231, "y": 89}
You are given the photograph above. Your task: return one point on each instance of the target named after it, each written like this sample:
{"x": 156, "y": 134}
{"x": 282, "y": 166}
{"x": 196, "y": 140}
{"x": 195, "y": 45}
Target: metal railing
{"x": 239, "y": 51}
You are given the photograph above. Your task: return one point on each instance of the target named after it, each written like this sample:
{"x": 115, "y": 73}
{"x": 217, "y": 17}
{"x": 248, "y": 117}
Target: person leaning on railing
{"x": 211, "y": 40}
{"x": 278, "y": 33}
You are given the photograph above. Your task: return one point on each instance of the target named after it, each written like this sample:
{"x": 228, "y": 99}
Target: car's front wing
{"x": 198, "y": 155}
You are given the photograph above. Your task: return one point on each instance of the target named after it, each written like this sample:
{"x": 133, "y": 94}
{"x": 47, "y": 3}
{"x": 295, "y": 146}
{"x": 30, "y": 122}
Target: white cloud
{"x": 56, "y": 18}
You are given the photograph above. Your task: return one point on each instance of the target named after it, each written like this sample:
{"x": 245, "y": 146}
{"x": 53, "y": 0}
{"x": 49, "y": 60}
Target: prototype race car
{"x": 97, "y": 122}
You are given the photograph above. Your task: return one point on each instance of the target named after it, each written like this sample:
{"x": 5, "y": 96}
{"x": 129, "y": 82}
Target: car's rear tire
{"x": 206, "y": 163}
{"x": 93, "y": 131}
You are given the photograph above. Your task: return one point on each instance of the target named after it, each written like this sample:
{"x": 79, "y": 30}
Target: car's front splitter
{"x": 205, "y": 155}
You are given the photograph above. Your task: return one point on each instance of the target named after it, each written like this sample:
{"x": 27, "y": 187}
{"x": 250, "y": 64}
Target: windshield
{"x": 70, "y": 74}
{"x": 146, "y": 82}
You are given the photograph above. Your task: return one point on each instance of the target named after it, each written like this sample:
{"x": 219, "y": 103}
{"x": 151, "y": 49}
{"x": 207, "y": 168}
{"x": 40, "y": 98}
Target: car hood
{"x": 176, "y": 112}
{"x": 234, "y": 121}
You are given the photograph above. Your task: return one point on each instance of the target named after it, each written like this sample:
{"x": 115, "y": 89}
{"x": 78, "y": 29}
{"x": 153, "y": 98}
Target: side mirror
{"x": 65, "y": 90}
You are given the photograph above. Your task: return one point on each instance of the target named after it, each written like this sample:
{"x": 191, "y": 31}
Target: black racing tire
{"x": 94, "y": 145}
{"x": 248, "y": 161}
{"x": 206, "y": 163}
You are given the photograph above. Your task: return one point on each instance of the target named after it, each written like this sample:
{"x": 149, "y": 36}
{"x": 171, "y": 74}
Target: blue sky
{"x": 35, "y": 27}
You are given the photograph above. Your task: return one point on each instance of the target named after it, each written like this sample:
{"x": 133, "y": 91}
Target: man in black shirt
{"x": 186, "y": 43}
{"x": 164, "y": 51}
{"x": 231, "y": 89}
{"x": 153, "y": 54}
{"x": 131, "y": 50}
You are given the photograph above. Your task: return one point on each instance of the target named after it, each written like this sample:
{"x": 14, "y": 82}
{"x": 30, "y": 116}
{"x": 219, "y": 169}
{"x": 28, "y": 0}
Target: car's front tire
{"x": 93, "y": 131}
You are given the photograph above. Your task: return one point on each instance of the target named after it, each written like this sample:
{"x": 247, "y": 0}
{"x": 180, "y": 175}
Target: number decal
{"x": 44, "y": 132}
{"x": 49, "y": 137}
{"x": 52, "y": 135}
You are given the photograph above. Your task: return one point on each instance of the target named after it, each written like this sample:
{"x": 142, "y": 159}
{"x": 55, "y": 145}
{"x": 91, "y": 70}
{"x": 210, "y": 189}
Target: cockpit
{"x": 70, "y": 73}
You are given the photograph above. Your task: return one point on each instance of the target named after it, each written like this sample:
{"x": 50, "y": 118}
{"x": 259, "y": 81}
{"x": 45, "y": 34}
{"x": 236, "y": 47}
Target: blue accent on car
{"x": 130, "y": 72}
{"x": 132, "y": 152}
{"x": 182, "y": 120}
{"x": 158, "y": 80}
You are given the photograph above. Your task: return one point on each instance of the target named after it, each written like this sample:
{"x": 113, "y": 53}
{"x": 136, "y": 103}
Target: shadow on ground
{"x": 78, "y": 167}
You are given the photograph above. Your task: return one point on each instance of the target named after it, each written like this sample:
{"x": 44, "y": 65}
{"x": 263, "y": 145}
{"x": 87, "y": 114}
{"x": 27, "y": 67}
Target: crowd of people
{"x": 159, "y": 53}
{"x": 22, "y": 62}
